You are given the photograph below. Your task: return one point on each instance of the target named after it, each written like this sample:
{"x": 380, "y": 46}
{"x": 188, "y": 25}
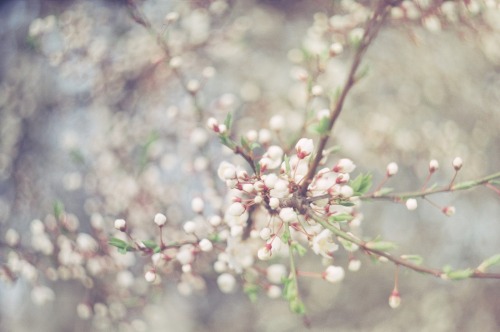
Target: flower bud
{"x": 317, "y": 90}
{"x": 160, "y": 219}
{"x": 275, "y": 273}
{"x": 354, "y": 265}
{"x": 304, "y": 147}
{"x": 213, "y": 124}
{"x": 288, "y": 215}
{"x": 411, "y": 204}
{"x": 274, "y": 203}
{"x": 197, "y": 205}
{"x": 265, "y": 233}
{"x": 344, "y": 166}
{"x": 394, "y": 299}
{"x": 150, "y": 276}
{"x": 206, "y": 245}
{"x": 277, "y": 123}
{"x": 175, "y": 62}
{"x": 457, "y": 163}
{"x": 226, "y": 283}
{"x": 433, "y": 166}
{"x": 121, "y": 225}
{"x": 236, "y": 209}
{"x": 449, "y": 210}
{"x": 392, "y": 169}
{"x": 336, "y": 49}
{"x": 334, "y": 274}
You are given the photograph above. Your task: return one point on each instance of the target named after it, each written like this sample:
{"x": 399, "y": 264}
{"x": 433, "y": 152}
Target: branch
{"x": 371, "y": 30}
{"x": 396, "y": 260}
{"x": 459, "y": 186}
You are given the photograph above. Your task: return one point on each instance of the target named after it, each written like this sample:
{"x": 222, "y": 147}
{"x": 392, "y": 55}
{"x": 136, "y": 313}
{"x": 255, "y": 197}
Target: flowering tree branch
{"x": 370, "y": 32}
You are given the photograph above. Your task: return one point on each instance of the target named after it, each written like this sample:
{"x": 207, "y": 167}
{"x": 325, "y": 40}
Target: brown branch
{"x": 371, "y": 30}
{"x": 396, "y": 260}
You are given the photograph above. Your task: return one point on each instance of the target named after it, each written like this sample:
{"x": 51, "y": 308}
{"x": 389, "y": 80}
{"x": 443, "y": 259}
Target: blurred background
{"x": 91, "y": 119}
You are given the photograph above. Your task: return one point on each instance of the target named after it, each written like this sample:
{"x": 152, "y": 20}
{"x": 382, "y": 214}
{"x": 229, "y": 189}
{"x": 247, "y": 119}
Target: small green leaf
{"x": 459, "y": 274}
{"x": 299, "y": 249}
{"x": 493, "y": 260}
{"x": 252, "y": 291}
{"x": 285, "y": 237}
{"x": 58, "y": 209}
{"x": 361, "y": 184}
{"x": 343, "y": 217}
{"x": 348, "y": 245}
{"x": 228, "y": 121}
{"x": 244, "y": 144}
{"x": 345, "y": 203}
{"x": 415, "y": 259}
{"x": 322, "y": 127}
{"x": 122, "y": 246}
{"x": 297, "y": 306}
{"x": 381, "y": 245}
{"x": 150, "y": 244}
{"x": 287, "y": 165}
{"x": 383, "y": 191}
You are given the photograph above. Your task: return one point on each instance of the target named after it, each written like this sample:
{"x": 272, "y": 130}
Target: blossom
{"x": 392, "y": 169}
{"x": 322, "y": 244}
{"x": 334, "y": 274}
{"x": 304, "y": 147}
{"x": 344, "y": 166}
{"x": 160, "y": 219}
{"x": 121, "y": 225}
{"x": 411, "y": 204}
{"x": 288, "y": 215}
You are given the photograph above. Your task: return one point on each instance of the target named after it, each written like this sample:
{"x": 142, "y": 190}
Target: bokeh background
{"x": 90, "y": 117}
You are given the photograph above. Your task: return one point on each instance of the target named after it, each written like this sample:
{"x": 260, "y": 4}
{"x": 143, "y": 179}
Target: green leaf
{"x": 383, "y": 191}
{"x": 361, "y": 184}
{"x": 415, "y": 259}
{"x": 322, "y": 127}
{"x": 381, "y": 245}
{"x": 299, "y": 249}
{"x": 150, "y": 244}
{"x": 345, "y": 203}
{"x": 289, "y": 290}
{"x": 287, "y": 165}
{"x": 297, "y": 306}
{"x": 122, "y": 246}
{"x": 459, "y": 274}
{"x": 343, "y": 217}
{"x": 493, "y": 260}
{"x": 244, "y": 144}
{"x": 58, "y": 208}
{"x": 228, "y": 121}
{"x": 348, "y": 245}
{"x": 252, "y": 291}
{"x": 285, "y": 237}
{"x": 227, "y": 141}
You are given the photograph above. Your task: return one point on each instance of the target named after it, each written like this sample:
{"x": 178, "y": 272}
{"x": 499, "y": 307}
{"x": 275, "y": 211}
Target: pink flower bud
{"x": 213, "y": 124}
{"x": 344, "y": 166}
{"x": 394, "y": 299}
{"x": 449, "y": 210}
{"x": 433, "y": 165}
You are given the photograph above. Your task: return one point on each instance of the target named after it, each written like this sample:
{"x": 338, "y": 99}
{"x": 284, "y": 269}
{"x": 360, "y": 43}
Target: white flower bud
{"x": 160, "y": 219}
{"x": 197, "y": 205}
{"x": 270, "y": 180}
{"x": 277, "y": 123}
{"x": 222, "y": 128}
{"x": 288, "y": 215}
{"x": 150, "y": 276}
{"x": 175, "y": 62}
{"x": 392, "y": 169}
{"x": 220, "y": 266}
{"x": 215, "y": 220}
{"x": 449, "y": 210}
{"x": 265, "y": 136}
{"x": 265, "y": 233}
{"x": 433, "y": 165}
{"x": 457, "y": 163}
{"x": 187, "y": 268}
{"x": 322, "y": 114}
{"x": 304, "y": 147}
{"x": 411, "y": 204}
{"x": 275, "y": 273}
{"x": 193, "y": 86}
{"x": 336, "y": 49}
{"x": 171, "y": 17}
{"x": 213, "y": 124}
{"x": 346, "y": 191}
{"x": 121, "y": 225}
{"x": 236, "y": 230}
{"x": 189, "y": 227}
{"x": 12, "y": 237}
{"x": 273, "y": 292}
{"x": 206, "y": 245}
{"x": 344, "y": 166}
{"x": 258, "y": 199}
{"x": 208, "y": 72}
{"x": 236, "y": 209}
{"x": 226, "y": 283}
{"x": 264, "y": 253}
{"x": 274, "y": 203}
{"x": 317, "y": 90}
{"x": 354, "y": 265}
{"x": 185, "y": 255}
{"x": 334, "y": 274}
{"x": 247, "y": 187}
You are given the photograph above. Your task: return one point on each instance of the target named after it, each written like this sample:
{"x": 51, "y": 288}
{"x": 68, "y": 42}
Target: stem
{"x": 396, "y": 260}
{"x": 459, "y": 186}
{"x": 372, "y": 28}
